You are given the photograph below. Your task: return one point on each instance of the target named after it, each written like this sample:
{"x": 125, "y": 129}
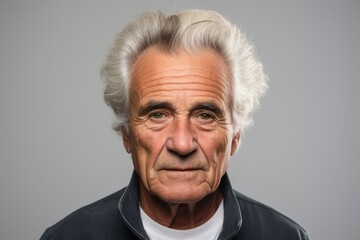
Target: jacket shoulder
{"x": 260, "y": 219}
{"x": 103, "y": 214}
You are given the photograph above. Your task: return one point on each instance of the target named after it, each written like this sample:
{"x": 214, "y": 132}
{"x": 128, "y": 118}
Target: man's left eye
{"x": 205, "y": 116}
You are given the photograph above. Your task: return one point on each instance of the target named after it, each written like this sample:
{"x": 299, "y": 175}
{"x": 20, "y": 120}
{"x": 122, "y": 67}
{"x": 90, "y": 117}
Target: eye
{"x": 158, "y": 115}
{"x": 204, "y": 116}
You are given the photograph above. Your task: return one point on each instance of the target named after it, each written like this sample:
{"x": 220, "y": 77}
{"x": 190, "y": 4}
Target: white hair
{"x": 191, "y": 30}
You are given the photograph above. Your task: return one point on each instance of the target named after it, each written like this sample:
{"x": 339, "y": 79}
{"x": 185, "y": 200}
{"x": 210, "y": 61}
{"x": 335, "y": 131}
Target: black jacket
{"x": 118, "y": 217}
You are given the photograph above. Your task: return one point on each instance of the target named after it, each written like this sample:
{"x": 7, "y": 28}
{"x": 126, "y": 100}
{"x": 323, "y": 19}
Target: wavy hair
{"x": 191, "y": 30}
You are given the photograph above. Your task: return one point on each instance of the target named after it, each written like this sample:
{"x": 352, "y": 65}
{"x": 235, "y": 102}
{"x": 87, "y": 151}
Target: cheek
{"x": 217, "y": 148}
{"x": 146, "y": 146}
{"x": 223, "y": 154}
{"x": 217, "y": 141}
{"x": 139, "y": 149}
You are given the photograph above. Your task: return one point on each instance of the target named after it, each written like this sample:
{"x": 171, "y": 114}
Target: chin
{"x": 183, "y": 194}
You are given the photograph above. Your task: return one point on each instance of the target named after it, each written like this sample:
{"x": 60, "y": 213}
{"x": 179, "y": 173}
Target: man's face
{"x": 180, "y": 130}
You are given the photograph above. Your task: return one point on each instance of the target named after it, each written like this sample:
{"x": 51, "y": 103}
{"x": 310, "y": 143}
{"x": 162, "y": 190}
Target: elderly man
{"x": 183, "y": 88}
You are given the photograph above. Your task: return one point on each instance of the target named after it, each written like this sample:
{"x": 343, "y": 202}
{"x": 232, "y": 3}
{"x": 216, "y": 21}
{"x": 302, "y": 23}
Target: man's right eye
{"x": 158, "y": 115}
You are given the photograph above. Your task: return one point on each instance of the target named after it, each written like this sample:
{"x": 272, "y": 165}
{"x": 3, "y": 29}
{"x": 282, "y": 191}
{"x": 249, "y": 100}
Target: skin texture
{"x": 180, "y": 134}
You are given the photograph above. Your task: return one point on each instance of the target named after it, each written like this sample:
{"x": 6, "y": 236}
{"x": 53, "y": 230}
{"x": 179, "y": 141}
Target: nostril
{"x": 182, "y": 154}
{"x": 180, "y": 147}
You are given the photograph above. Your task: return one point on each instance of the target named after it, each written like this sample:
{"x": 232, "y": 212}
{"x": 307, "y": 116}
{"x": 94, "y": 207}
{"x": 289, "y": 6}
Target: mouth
{"x": 181, "y": 169}
{"x": 181, "y": 173}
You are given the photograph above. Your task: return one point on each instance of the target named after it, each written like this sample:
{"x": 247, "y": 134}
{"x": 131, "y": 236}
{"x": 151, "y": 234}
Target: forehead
{"x": 159, "y": 73}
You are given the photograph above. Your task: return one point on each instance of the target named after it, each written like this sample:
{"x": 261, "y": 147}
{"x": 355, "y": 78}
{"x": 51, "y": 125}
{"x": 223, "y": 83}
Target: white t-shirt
{"x": 207, "y": 231}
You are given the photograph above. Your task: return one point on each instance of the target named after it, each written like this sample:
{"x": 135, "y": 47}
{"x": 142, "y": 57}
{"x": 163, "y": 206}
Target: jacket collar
{"x": 130, "y": 211}
{"x": 232, "y": 211}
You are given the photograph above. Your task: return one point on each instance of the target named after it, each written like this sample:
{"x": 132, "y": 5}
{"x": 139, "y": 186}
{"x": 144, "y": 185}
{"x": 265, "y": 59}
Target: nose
{"x": 182, "y": 139}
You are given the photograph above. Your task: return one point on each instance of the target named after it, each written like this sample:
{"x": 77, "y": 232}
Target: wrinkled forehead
{"x": 155, "y": 67}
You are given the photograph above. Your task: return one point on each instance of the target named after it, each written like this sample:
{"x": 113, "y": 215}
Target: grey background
{"x": 58, "y": 152}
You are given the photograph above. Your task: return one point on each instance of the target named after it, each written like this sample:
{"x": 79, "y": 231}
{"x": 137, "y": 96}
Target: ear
{"x": 126, "y": 139}
{"x": 235, "y": 143}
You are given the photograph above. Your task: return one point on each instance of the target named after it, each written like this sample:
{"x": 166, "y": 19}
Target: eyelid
{"x": 209, "y": 108}
{"x": 200, "y": 120}
{"x": 159, "y": 110}
{"x": 157, "y": 113}
{"x": 210, "y": 114}
{"x": 153, "y": 106}
{"x": 165, "y": 116}
{"x": 198, "y": 112}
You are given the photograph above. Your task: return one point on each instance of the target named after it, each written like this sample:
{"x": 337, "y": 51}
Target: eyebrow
{"x": 153, "y": 105}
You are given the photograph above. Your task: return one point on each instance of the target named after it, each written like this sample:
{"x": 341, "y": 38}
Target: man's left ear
{"x": 235, "y": 143}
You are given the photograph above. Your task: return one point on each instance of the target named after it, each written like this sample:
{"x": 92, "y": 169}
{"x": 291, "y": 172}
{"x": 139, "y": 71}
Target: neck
{"x": 179, "y": 215}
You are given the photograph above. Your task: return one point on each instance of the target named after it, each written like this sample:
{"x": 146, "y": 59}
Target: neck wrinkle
{"x": 181, "y": 216}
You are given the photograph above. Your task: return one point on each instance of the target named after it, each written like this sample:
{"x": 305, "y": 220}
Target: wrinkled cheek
{"x": 140, "y": 151}
{"x": 148, "y": 147}
{"x": 222, "y": 152}
{"x": 221, "y": 147}
{"x": 142, "y": 161}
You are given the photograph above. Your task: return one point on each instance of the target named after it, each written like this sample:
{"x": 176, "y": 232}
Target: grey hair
{"x": 191, "y": 30}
